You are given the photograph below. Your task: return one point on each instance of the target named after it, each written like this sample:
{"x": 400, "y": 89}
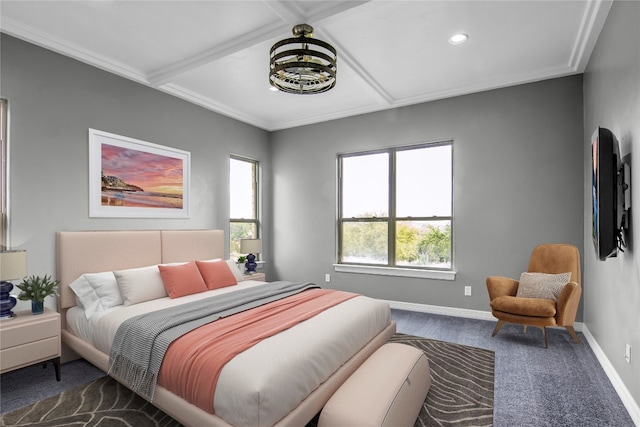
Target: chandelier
{"x": 301, "y": 64}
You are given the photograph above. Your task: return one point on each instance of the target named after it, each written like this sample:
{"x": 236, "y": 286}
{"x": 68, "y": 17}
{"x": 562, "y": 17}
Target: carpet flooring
{"x": 461, "y": 394}
{"x": 563, "y": 385}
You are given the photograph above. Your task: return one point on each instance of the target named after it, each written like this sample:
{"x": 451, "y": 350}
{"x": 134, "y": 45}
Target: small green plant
{"x": 36, "y": 288}
{"x": 242, "y": 258}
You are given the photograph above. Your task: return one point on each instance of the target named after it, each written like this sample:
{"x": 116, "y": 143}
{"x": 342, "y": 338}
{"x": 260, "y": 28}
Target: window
{"x": 243, "y": 190}
{"x": 395, "y": 207}
{"x": 3, "y": 172}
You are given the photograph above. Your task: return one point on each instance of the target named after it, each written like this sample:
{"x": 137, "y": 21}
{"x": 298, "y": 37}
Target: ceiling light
{"x": 458, "y": 38}
{"x": 301, "y": 64}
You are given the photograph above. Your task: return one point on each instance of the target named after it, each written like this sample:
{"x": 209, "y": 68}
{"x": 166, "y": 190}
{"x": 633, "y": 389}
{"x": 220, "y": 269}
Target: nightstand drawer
{"x": 31, "y": 330}
{"x": 28, "y": 354}
{"x": 260, "y": 277}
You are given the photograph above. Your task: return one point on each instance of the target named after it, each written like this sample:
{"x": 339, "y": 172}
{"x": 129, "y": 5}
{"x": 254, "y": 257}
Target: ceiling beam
{"x": 288, "y": 12}
{"x": 165, "y": 74}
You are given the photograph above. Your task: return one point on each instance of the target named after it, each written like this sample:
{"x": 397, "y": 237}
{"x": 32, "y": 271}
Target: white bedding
{"x": 264, "y": 383}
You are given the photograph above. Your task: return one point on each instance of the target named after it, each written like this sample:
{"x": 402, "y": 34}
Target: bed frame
{"x": 79, "y": 252}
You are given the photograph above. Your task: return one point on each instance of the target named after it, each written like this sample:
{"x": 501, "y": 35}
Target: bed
{"x": 336, "y": 328}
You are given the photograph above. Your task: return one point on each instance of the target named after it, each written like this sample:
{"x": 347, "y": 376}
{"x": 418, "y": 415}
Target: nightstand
{"x": 255, "y": 276}
{"x": 28, "y": 339}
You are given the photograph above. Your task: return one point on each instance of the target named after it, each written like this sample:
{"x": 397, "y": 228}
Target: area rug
{"x": 461, "y": 394}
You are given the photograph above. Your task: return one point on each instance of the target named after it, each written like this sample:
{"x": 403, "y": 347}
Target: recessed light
{"x": 458, "y": 38}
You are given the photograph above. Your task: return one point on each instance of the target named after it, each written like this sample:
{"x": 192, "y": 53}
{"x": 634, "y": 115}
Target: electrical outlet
{"x": 627, "y": 353}
{"x": 467, "y": 291}
{"x": 327, "y": 278}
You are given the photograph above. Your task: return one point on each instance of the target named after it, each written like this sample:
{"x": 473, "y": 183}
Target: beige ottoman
{"x": 387, "y": 390}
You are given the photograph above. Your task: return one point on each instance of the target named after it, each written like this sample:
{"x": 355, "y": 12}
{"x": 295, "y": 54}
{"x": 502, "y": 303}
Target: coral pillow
{"x": 181, "y": 280}
{"x": 216, "y": 274}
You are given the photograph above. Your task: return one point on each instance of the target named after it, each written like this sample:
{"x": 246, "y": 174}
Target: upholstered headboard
{"x": 79, "y": 252}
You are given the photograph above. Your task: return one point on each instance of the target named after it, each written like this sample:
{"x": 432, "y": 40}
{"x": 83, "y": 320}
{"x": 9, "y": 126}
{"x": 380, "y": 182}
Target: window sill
{"x": 399, "y": 272}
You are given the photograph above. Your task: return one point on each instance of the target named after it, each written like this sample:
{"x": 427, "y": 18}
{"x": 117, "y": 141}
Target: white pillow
{"x": 106, "y": 287}
{"x": 140, "y": 284}
{"x": 542, "y": 285}
{"x": 233, "y": 266}
{"x": 96, "y": 292}
{"x": 86, "y": 296}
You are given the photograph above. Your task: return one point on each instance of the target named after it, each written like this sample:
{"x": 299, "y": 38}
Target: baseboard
{"x": 447, "y": 311}
{"x": 627, "y": 400}
{"x": 452, "y": 311}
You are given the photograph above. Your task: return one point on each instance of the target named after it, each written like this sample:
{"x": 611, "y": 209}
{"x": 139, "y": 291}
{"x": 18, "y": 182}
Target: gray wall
{"x": 612, "y": 100}
{"x": 53, "y": 100}
{"x": 518, "y": 182}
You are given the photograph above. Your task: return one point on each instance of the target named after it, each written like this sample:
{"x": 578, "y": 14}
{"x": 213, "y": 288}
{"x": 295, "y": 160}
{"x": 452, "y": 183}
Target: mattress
{"x": 264, "y": 383}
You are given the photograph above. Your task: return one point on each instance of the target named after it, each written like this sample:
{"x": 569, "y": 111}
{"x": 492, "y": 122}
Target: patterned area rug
{"x": 461, "y": 394}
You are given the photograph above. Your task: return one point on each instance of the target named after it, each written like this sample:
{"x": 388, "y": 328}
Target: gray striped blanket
{"x": 142, "y": 341}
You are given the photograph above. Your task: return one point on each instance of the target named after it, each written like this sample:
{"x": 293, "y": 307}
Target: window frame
{"x": 4, "y": 173}
{"x": 255, "y": 222}
{"x": 391, "y": 267}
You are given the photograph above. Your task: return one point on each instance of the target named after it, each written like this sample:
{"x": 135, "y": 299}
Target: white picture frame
{"x": 130, "y": 178}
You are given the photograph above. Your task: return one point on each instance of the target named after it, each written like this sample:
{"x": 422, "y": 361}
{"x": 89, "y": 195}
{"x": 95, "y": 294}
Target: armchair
{"x": 508, "y": 307}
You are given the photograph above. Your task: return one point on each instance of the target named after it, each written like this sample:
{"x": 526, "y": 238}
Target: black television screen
{"x": 605, "y": 193}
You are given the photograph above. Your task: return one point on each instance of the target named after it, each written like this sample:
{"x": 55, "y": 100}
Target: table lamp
{"x": 13, "y": 265}
{"x": 251, "y": 247}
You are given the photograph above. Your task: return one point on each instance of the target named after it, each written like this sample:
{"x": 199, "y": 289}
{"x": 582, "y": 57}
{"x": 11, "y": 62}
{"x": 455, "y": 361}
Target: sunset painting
{"x": 136, "y": 178}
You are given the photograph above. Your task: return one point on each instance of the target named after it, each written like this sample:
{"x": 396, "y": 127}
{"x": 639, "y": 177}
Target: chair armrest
{"x": 567, "y": 305}
{"x": 499, "y": 286}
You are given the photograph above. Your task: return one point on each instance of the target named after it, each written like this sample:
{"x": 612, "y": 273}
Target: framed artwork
{"x": 129, "y": 178}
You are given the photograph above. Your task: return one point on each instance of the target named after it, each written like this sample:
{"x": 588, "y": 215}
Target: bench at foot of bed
{"x": 387, "y": 390}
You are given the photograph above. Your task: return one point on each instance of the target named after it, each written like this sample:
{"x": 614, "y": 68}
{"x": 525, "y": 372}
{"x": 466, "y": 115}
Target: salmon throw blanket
{"x": 141, "y": 342}
{"x": 193, "y": 362}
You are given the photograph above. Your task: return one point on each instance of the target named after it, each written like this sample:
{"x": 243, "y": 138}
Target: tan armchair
{"x": 540, "y": 312}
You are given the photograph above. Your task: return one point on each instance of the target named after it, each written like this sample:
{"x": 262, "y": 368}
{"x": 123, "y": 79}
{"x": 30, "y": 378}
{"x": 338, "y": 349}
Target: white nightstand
{"x": 29, "y": 339}
{"x": 255, "y": 276}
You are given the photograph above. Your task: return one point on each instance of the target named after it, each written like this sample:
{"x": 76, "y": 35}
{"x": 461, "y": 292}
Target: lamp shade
{"x": 13, "y": 265}
{"x": 250, "y": 246}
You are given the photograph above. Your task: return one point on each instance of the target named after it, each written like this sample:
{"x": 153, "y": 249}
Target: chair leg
{"x": 573, "y": 334}
{"x": 499, "y": 325}
{"x": 544, "y": 335}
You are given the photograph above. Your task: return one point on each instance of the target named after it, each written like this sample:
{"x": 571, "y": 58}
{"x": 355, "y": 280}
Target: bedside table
{"x": 255, "y": 276}
{"x": 29, "y": 339}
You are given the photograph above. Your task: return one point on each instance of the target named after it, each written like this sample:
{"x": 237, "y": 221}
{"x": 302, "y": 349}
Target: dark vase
{"x": 251, "y": 264}
{"x": 37, "y": 307}
{"x": 7, "y": 302}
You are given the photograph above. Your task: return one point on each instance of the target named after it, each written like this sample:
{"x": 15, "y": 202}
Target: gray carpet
{"x": 563, "y": 385}
{"x": 461, "y": 394}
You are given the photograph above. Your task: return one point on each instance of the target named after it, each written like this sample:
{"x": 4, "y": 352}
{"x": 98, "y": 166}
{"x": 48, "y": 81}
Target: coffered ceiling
{"x": 390, "y": 53}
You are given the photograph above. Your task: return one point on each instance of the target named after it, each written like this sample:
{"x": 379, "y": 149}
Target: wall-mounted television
{"x": 607, "y": 193}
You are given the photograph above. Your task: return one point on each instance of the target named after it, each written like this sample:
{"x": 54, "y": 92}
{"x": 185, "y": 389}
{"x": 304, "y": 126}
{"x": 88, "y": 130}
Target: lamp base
{"x": 7, "y": 302}
{"x": 7, "y": 318}
{"x": 251, "y": 264}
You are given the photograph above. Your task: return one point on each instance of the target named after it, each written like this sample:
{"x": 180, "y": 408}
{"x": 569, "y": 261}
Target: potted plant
{"x": 36, "y": 289}
{"x": 241, "y": 260}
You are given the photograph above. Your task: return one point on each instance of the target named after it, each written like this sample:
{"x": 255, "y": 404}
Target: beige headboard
{"x": 79, "y": 252}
